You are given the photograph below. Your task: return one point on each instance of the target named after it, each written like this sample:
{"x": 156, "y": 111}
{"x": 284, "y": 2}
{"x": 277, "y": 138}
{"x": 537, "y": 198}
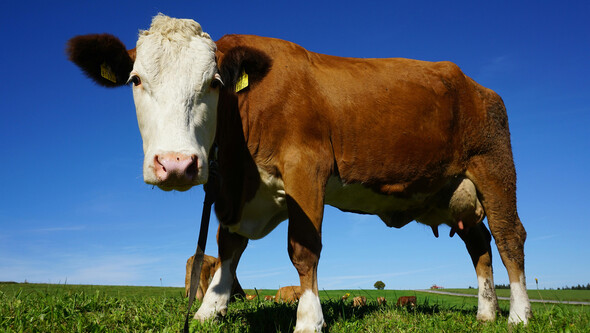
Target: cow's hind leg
{"x": 495, "y": 179}
{"x": 477, "y": 240}
{"x": 231, "y": 247}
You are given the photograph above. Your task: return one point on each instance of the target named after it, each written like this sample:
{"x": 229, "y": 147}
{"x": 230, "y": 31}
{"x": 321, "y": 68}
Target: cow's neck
{"x": 238, "y": 171}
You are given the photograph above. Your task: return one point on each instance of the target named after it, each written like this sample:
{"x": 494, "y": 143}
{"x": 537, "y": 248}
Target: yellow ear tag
{"x": 107, "y": 73}
{"x": 242, "y": 81}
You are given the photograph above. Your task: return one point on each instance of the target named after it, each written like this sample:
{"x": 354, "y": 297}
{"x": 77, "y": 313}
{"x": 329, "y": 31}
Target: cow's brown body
{"x": 401, "y": 128}
{"x": 402, "y": 139}
{"x": 406, "y": 301}
{"x": 405, "y": 132}
{"x": 396, "y": 128}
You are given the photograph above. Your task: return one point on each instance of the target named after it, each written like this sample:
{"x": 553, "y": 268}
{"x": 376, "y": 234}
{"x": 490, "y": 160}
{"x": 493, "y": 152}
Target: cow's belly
{"x": 265, "y": 211}
{"x": 456, "y": 201}
{"x": 394, "y": 211}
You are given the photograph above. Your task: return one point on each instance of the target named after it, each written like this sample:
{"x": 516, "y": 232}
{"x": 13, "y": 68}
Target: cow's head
{"x": 175, "y": 85}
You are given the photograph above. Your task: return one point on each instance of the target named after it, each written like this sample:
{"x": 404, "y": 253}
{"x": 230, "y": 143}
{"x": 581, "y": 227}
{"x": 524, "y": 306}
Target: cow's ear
{"x": 242, "y": 61}
{"x": 102, "y": 57}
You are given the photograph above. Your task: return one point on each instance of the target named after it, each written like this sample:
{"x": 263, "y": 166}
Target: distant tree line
{"x": 578, "y": 287}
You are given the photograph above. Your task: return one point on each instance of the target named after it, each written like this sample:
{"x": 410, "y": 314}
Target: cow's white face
{"x": 175, "y": 96}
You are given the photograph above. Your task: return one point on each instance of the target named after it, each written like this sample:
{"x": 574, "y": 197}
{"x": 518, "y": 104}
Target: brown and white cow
{"x": 402, "y": 139}
{"x": 208, "y": 269}
{"x": 359, "y": 301}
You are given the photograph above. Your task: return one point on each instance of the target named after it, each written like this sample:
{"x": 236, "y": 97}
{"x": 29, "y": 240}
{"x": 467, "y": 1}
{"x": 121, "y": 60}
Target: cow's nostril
{"x": 158, "y": 165}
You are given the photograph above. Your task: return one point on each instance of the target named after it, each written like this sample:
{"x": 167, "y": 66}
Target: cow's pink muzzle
{"x": 176, "y": 171}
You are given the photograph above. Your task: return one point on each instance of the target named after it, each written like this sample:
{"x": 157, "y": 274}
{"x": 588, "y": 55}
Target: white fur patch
{"x": 309, "y": 314}
{"x": 486, "y": 299}
{"x": 217, "y": 296}
{"x": 357, "y": 197}
{"x": 520, "y": 306}
{"x": 265, "y": 211}
{"x": 175, "y": 104}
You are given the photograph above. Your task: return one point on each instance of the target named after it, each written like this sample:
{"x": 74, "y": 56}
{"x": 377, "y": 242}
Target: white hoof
{"x": 310, "y": 318}
{"x": 217, "y": 295}
{"x": 520, "y": 306}
{"x": 206, "y": 313}
{"x": 487, "y": 300}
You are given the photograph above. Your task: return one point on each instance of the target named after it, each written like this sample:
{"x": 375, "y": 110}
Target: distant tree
{"x": 379, "y": 285}
{"x": 578, "y": 287}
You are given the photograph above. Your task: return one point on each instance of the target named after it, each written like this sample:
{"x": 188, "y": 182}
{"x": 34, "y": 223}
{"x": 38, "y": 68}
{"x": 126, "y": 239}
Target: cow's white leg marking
{"x": 487, "y": 302}
{"x": 520, "y": 306}
{"x": 309, "y": 314}
{"x": 217, "y": 296}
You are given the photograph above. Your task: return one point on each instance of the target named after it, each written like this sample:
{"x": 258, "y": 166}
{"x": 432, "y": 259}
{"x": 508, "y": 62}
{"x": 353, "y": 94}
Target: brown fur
{"x": 306, "y": 119}
{"x": 406, "y": 301}
{"x": 359, "y": 301}
{"x": 255, "y": 63}
{"x": 288, "y": 294}
{"x": 90, "y": 51}
{"x": 381, "y": 301}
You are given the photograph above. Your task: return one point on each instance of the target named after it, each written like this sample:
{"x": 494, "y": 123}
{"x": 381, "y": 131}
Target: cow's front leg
{"x": 231, "y": 246}
{"x": 304, "y": 250}
{"x": 306, "y": 206}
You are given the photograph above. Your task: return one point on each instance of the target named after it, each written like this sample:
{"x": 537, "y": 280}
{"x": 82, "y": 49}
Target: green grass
{"x": 71, "y": 308}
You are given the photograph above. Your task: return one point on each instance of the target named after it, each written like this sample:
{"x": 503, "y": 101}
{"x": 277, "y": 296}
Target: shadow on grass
{"x": 261, "y": 316}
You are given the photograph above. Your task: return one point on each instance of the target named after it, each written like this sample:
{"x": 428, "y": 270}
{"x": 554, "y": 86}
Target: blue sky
{"x": 74, "y": 208}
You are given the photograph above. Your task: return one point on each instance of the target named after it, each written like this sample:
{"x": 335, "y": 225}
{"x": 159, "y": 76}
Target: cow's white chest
{"x": 265, "y": 211}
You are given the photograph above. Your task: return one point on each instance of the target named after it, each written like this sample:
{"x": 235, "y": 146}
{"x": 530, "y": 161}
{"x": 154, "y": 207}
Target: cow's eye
{"x": 135, "y": 80}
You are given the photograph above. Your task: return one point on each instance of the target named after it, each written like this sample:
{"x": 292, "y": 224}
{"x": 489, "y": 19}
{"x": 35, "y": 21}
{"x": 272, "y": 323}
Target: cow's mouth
{"x": 179, "y": 188}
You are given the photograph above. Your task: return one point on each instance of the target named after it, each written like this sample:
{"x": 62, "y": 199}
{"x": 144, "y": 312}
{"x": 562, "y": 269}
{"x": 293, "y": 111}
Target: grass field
{"x": 72, "y": 308}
